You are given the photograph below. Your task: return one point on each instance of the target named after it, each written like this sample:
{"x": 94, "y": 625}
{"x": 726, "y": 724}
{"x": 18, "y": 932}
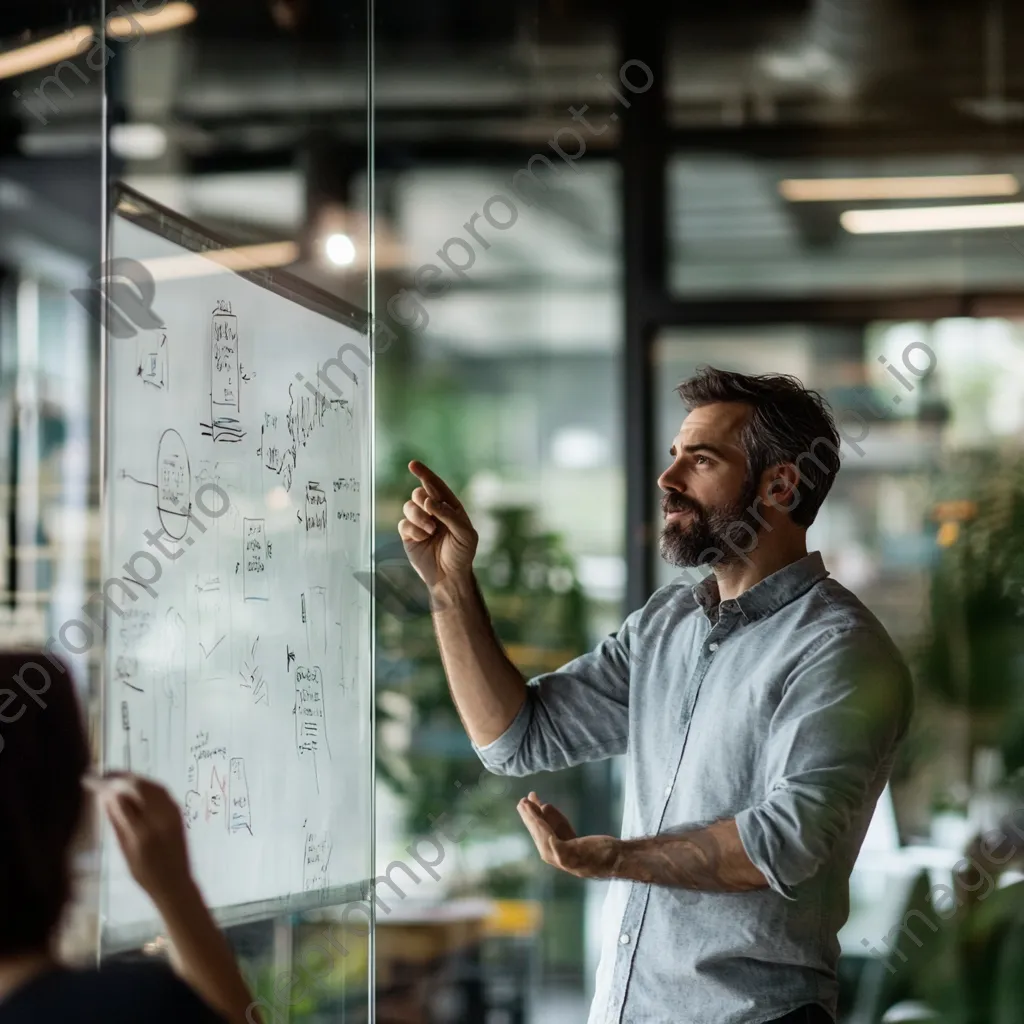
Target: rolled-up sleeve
{"x": 577, "y": 713}
{"x": 833, "y": 733}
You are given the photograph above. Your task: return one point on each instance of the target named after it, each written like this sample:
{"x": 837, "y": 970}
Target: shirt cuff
{"x": 499, "y": 752}
{"x": 754, "y": 837}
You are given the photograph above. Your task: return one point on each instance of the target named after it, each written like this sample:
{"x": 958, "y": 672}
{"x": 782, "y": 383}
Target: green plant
{"x": 972, "y": 656}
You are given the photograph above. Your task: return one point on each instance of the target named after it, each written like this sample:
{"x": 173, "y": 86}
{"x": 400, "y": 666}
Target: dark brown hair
{"x": 790, "y": 424}
{"x": 43, "y": 755}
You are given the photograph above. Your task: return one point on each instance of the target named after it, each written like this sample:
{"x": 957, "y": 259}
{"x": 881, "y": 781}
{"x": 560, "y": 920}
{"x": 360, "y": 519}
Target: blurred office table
{"x": 880, "y": 889}
{"x": 463, "y": 961}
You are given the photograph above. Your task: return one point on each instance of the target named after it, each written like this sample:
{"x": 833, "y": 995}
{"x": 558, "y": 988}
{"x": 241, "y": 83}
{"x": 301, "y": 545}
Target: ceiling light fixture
{"x": 974, "y": 217}
{"x": 44, "y": 53}
{"x": 71, "y": 43}
{"x": 172, "y": 15}
{"x": 340, "y": 249}
{"x": 938, "y": 186}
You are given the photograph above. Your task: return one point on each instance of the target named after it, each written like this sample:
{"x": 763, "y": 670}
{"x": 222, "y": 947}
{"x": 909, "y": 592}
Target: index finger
{"x": 435, "y": 486}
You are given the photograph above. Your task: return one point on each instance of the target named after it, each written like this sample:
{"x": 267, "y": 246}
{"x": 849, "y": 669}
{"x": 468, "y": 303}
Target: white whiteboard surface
{"x": 239, "y": 675}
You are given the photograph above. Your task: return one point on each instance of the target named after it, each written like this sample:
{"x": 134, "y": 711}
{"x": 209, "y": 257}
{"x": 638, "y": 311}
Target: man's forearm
{"x": 711, "y": 859}
{"x": 488, "y": 690}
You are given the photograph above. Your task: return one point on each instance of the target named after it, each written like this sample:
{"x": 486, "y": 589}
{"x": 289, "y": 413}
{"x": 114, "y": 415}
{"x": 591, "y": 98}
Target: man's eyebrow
{"x": 704, "y": 446}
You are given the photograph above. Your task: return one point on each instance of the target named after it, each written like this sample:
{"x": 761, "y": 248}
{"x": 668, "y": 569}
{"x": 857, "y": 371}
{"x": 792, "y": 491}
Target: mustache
{"x": 679, "y": 503}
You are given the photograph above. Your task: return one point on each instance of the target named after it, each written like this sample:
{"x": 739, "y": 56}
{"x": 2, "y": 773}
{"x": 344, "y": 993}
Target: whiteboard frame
{"x": 131, "y": 205}
{"x": 133, "y": 938}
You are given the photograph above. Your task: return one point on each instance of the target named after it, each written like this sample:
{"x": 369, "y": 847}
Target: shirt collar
{"x": 770, "y": 594}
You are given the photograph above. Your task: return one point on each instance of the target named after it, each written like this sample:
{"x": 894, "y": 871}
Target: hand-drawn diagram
{"x": 213, "y": 625}
{"x": 316, "y": 857}
{"x": 276, "y": 452}
{"x": 206, "y": 799}
{"x": 310, "y": 719}
{"x": 225, "y": 377}
{"x": 253, "y": 679}
{"x": 173, "y": 484}
{"x": 254, "y": 560}
{"x": 152, "y": 368}
{"x": 316, "y": 510}
{"x": 305, "y": 415}
{"x": 348, "y": 489}
{"x": 132, "y": 630}
{"x": 135, "y": 748}
{"x": 314, "y": 617}
{"x": 239, "y": 811}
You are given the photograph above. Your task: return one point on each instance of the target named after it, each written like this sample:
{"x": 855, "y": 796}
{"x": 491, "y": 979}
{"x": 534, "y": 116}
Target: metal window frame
{"x": 648, "y": 142}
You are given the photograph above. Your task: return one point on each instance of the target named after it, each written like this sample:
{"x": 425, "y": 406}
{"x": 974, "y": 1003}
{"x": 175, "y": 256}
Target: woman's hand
{"x": 150, "y": 831}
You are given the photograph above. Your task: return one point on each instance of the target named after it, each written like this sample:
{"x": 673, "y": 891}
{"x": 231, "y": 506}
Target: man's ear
{"x": 783, "y": 487}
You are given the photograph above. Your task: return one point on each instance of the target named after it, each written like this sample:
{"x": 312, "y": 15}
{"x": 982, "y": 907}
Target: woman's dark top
{"x": 148, "y": 993}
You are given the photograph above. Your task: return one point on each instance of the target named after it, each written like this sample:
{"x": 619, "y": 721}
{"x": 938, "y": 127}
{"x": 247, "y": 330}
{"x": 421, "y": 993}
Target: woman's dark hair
{"x": 43, "y": 755}
{"x": 790, "y": 424}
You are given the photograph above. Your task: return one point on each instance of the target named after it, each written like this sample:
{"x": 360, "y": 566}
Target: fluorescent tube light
{"x": 172, "y": 15}
{"x": 68, "y": 44}
{"x": 933, "y": 218}
{"x": 939, "y": 186}
{"x": 44, "y": 53}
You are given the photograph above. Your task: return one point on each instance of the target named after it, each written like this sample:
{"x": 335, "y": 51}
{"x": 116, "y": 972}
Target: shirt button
{"x": 712, "y": 647}
{"x": 668, "y": 791}
{"x": 624, "y": 939}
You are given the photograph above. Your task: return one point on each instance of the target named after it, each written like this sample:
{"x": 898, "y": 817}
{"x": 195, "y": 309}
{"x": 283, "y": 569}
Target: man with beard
{"x": 759, "y": 711}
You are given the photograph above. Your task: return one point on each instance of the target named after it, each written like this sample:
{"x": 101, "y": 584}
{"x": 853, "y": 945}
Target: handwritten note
{"x": 240, "y": 814}
{"x": 315, "y": 860}
{"x": 316, "y": 510}
{"x": 224, "y": 359}
{"x": 310, "y": 718}
{"x": 254, "y": 559}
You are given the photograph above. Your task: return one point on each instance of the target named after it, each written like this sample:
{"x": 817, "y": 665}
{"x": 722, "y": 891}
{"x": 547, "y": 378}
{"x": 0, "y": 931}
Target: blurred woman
{"x": 44, "y": 761}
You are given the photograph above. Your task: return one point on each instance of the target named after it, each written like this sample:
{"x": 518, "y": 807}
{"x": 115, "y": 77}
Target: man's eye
{"x": 701, "y": 459}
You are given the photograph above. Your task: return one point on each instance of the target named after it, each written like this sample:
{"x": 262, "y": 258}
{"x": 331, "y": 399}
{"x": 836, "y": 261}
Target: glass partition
{"x": 51, "y": 235}
{"x": 253, "y": 122}
{"x": 506, "y": 385}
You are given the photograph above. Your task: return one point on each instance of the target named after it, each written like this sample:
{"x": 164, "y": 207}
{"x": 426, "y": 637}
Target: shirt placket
{"x": 639, "y": 894}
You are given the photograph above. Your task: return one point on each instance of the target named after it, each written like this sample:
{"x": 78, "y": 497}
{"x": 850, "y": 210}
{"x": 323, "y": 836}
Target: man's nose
{"x": 672, "y": 480}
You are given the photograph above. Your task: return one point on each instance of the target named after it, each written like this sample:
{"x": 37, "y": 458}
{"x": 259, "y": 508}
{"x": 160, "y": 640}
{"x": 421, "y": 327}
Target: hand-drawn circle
{"x": 173, "y": 484}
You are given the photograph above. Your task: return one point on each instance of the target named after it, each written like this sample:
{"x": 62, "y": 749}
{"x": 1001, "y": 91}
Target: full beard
{"x": 713, "y": 534}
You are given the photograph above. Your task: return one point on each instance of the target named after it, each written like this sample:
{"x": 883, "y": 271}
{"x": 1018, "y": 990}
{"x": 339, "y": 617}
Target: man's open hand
{"x": 559, "y": 846}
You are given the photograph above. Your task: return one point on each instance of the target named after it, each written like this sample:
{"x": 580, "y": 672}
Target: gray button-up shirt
{"x": 782, "y": 709}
